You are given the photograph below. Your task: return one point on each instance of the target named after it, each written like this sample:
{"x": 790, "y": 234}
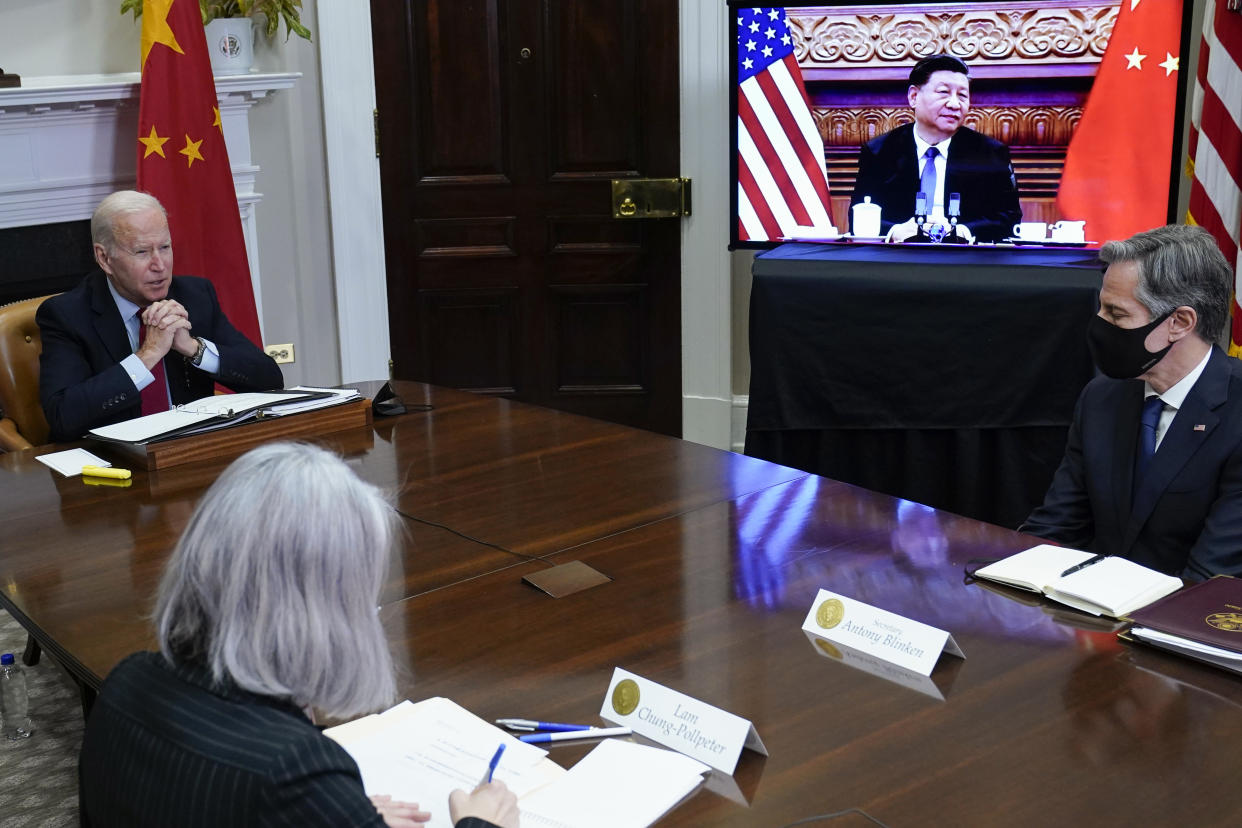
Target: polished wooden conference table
{"x": 715, "y": 559}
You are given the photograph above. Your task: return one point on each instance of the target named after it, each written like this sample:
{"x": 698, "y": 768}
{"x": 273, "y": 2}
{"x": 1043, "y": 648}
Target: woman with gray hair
{"x": 266, "y": 611}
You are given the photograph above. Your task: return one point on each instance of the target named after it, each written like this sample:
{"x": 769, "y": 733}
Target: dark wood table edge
{"x": 88, "y": 683}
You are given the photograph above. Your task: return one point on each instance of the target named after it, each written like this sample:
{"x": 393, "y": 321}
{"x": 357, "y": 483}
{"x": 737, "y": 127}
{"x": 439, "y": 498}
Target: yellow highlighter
{"x": 100, "y": 471}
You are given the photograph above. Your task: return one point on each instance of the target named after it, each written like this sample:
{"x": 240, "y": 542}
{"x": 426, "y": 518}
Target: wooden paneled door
{"x": 501, "y": 125}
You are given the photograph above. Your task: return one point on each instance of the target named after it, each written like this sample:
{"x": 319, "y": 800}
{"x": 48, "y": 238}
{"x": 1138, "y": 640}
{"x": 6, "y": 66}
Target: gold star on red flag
{"x": 190, "y": 151}
{"x": 216, "y": 123}
{"x": 154, "y": 143}
{"x": 155, "y": 28}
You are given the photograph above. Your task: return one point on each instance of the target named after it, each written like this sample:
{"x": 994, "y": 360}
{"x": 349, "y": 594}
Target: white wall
{"x": 295, "y": 249}
{"x": 66, "y": 37}
{"x": 706, "y": 311}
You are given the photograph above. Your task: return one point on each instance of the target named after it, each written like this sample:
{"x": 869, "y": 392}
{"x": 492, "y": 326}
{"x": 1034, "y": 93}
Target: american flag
{"x": 781, "y": 182}
{"x": 1215, "y": 150}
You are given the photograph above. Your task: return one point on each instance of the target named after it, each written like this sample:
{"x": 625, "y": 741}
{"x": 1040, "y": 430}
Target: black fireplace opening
{"x": 43, "y": 259}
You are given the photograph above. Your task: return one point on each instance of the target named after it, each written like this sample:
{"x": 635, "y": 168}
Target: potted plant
{"x": 230, "y": 29}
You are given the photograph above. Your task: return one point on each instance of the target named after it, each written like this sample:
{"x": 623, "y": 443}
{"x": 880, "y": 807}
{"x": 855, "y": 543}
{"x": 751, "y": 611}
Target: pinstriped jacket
{"x": 165, "y": 745}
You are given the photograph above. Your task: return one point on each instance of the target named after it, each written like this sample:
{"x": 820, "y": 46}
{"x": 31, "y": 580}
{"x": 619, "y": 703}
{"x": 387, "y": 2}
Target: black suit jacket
{"x": 81, "y": 382}
{"x": 1186, "y": 516}
{"x": 977, "y": 167}
{"x": 165, "y": 745}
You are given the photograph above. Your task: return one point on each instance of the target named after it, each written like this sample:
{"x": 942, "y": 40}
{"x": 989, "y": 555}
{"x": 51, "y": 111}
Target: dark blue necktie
{"x": 927, "y": 183}
{"x": 1152, "y": 407}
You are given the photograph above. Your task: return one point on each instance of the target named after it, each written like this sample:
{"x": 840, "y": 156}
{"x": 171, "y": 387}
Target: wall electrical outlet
{"x": 280, "y": 353}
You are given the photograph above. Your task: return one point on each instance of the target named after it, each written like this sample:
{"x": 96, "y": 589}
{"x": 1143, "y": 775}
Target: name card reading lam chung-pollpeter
{"x": 675, "y": 720}
{"x": 894, "y": 638}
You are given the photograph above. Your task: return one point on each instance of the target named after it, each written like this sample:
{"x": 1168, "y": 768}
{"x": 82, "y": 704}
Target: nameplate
{"x": 880, "y": 633}
{"x": 675, "y": 720}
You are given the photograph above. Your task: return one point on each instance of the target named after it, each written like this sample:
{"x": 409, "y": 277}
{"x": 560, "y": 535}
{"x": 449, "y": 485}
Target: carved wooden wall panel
{"x": 592, "y": 74}
{"x": 601, "y": 305}
{"x": 462, "y": 122}
{"x": 485, "y": 237}
{"x": 471, "y": 338}
{"x": 598, "y": 339}
{"x": 995, "y": 33}
{"x": 1025, "y": 125}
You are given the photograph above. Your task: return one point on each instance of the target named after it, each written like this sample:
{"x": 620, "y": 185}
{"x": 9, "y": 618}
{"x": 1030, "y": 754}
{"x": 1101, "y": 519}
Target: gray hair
{"x": 274, "y": 582}
{"x": 120, "y": 203}
{"x": 1178, "y": 265}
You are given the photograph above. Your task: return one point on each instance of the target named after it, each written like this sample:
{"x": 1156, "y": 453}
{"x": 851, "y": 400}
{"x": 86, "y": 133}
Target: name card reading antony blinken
{"x": 675, "y": 720}
{"x": 883, "y": 634}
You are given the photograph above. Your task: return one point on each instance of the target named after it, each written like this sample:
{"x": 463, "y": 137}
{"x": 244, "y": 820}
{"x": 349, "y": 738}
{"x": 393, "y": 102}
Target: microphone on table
{"x": 920, "y": 216}
{"x": 954, "y": 211}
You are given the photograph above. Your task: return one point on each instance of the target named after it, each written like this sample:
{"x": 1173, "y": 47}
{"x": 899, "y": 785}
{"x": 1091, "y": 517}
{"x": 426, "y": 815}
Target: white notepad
{"x": 1112, "y": 586}
{"x": 619, "y": 784}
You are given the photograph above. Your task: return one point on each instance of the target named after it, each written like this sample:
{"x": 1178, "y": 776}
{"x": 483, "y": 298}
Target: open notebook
{"x": 1112, "y": 586}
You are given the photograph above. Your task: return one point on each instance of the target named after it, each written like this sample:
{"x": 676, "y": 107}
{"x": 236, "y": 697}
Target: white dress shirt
{"x": 1175, "y": 396}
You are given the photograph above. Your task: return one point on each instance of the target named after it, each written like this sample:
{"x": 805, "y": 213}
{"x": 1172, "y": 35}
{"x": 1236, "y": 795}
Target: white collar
{"x": 1176, "y": 395}
{"x": 920, "y": 146}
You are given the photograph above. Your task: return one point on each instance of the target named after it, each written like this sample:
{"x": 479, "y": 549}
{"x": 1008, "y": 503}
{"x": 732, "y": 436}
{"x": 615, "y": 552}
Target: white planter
{"x": 230, "y": 43}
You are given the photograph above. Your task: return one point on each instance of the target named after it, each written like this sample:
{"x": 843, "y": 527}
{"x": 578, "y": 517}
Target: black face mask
{"x": 1120, "y": 352}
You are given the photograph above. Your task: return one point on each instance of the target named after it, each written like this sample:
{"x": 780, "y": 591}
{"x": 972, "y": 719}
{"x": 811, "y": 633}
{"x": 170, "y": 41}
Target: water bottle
{"x": 13, "y": 699}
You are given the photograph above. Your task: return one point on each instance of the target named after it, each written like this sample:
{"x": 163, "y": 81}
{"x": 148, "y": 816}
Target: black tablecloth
{"x": 945, "y": 375}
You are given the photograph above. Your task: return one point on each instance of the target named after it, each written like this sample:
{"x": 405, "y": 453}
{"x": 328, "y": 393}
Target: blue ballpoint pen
{"x": 531, "y": 724}
{"x": 491, "y": 766}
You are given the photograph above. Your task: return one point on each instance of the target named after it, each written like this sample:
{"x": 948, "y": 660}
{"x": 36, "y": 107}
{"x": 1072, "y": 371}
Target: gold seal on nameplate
{"x": 1227, "y": 621}
{"x": 625, "y": 697}
{"x": 830, "y": 613}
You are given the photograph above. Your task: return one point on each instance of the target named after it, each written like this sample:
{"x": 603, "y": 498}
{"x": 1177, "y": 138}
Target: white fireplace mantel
{"x": 67, "y": 141}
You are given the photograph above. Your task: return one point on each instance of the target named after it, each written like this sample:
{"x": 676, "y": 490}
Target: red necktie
{"x": 155, "y": 395}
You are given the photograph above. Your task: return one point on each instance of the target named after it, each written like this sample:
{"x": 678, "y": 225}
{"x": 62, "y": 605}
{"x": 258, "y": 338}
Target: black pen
{"x": 1083, "y": 565}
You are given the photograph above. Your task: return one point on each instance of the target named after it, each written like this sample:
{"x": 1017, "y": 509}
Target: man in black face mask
{"x": 1153, "y": 463}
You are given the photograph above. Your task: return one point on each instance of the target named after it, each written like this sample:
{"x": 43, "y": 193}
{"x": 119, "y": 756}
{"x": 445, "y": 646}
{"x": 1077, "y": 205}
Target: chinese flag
{"x": 182, "y": 159}
{"x": 1117, "y": 168}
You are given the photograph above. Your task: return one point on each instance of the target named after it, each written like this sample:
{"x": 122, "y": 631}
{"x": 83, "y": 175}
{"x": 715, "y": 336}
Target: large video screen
{"x": 1064, "y": 129}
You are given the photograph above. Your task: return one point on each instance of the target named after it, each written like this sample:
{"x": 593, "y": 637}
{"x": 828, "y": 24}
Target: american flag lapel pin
{"x": 1200, "y": 427}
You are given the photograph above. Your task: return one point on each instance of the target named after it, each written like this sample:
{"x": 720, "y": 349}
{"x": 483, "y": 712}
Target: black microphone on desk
{"x": 387, "y": 402}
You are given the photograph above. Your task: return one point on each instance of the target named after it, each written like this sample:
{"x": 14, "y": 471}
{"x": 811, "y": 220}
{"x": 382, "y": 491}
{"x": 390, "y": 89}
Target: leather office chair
{"x": 22, "y": 424}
